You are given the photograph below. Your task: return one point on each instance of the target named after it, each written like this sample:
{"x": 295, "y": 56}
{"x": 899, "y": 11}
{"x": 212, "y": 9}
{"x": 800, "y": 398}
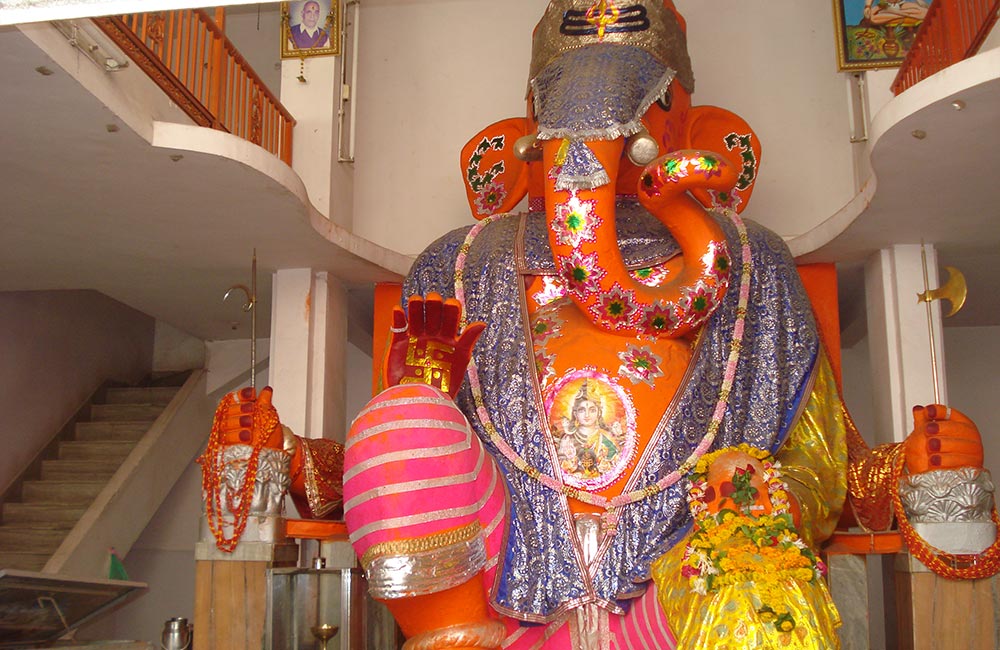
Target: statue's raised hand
{"x": 236, "y": 418}
{"x": 942, "y": 438}
{"x": 427, "y": 346}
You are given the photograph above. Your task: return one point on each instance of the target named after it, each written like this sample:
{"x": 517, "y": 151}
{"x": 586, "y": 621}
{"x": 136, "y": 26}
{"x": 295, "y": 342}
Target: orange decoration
{"x": 265, "y": 422}
{"x": 946, "y": 565}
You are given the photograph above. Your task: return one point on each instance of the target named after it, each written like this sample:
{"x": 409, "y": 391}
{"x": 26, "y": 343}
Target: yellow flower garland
{"x": 735, "y": 546}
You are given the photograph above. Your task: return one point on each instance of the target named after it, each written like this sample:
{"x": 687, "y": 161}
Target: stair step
{"x": 36, "y": 538}
{"x": 24, "y": 560}
{"x": 98, "y": 450}
{"x": 141, "y": 395}
{"x": 42, "y": 513}
{"x": 90, "y": 470}
{"x": 118, "y": 412}
{"x": 61, "y": 492}
{"x": 111, "y": 430}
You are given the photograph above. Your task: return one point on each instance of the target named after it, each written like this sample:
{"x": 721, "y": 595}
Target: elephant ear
{"x": 495, "y": 180}
{"x": 715, "y": 129}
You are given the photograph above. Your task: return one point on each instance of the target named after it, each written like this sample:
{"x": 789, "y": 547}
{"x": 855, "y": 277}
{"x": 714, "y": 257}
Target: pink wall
{"x": 56, "y": 348}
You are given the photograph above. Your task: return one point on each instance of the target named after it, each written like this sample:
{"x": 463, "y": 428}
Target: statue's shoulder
{"x": 480, "y": 245}
{"x": 764, "y": 242}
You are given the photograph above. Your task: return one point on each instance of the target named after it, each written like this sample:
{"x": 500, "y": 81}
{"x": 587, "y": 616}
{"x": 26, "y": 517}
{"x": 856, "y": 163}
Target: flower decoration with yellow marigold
{"x": 735, "y": 546}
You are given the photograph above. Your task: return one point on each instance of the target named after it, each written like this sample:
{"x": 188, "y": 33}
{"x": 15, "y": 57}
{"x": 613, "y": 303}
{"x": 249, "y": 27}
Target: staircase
{"x": 53, "y": 502}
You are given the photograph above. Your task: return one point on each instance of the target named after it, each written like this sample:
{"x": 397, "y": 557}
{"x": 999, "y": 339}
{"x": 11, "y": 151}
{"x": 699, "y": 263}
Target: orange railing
{"x": 188, "y": 55}
{"x": 952, "y": 31}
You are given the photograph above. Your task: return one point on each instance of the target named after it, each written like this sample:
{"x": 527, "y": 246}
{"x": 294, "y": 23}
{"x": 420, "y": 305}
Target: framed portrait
{"x": 876, "y": 33}
{"x": 310, "y": 28}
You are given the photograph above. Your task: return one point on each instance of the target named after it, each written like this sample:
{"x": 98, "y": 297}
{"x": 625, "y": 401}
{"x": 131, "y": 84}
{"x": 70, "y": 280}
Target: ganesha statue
{"x": 610, "y": 421}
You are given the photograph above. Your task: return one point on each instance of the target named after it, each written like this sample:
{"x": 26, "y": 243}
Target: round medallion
{"x": 592, "y": 421}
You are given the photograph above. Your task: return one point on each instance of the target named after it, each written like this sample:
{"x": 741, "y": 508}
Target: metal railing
{"x": 953, "y": 31}
{"x": 189, "y": 56}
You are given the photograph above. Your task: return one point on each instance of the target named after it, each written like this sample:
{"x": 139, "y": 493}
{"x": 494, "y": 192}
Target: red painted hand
{"x": 237, "y": 419}
{"x": 426, "y": 345}
{"x": 942, "y": 438}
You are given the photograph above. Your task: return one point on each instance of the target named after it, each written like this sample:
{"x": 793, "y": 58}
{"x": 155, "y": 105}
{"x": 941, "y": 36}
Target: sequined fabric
{"x": 870, "y": 478}
{"x": 813, "y": 459}
{"x": 582, "y": 170}
{"x": 540, "y": 576}
{"x": 599, "y": 92}
{"x": 324, "y": 471}
{"x": 647, "y": 25}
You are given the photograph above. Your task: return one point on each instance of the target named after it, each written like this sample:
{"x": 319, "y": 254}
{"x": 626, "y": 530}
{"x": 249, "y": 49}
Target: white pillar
{"x": 328, "y": 396}
{"x": 308, "y": 343}
{"x": 899, "y": 345}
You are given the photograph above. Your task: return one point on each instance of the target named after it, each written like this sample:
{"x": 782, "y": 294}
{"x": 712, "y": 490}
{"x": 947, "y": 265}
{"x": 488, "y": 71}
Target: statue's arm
{"x": 814, "y": 457}
{"x": 942, "y": 438}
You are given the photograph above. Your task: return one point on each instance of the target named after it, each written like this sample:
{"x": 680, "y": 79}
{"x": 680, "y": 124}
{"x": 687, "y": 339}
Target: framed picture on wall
{"x": 310, "y": 28}
{"x": 876, "y": 33}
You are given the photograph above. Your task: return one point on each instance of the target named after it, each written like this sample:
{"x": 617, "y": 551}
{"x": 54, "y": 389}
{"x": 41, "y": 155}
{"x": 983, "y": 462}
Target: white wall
{"x": 775, "y": 64}
{"x": 56, "y": 348}
{"x": 358, "y": 374}
{"x": 254, "y": 30}
{"x": 972, "y": 356}
{"x": 856, "y": 369}
{"x": 162, "y": 557}
{"x": 226, "y": 360}
{"x": 432, "y": 74}
{"x": 176, "y": 350}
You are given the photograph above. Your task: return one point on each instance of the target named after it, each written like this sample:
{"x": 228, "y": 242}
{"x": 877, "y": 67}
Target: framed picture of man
{"x": 310, "y": 28}
{"x": 876, "y": 33}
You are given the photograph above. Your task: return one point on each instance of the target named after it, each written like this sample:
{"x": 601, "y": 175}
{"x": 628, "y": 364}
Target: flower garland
{"x": 614, "y": 504}
{"x": 213, "y": 468}
{"x": 735, "y": 546}
{"x": 947, "y": 565}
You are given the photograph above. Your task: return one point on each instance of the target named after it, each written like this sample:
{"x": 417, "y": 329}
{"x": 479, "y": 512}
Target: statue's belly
{"x": 603, "y": 394}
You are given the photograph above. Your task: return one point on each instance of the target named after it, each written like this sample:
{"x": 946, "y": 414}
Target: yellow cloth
{"x": 728, "y": 619}
{"x": 814, "y": 465}
{"x": 814, "y": 458}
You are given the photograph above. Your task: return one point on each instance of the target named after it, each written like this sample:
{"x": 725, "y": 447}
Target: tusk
{"x": 526, "y": 148}
{"x": 642, "y": 148}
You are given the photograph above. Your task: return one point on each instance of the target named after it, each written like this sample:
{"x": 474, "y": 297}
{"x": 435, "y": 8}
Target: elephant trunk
{"x": 583, "y": 238}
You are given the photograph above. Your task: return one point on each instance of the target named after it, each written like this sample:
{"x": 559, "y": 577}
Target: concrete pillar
{"x": 899, "y": 345}
{"x": 308, "y": 352}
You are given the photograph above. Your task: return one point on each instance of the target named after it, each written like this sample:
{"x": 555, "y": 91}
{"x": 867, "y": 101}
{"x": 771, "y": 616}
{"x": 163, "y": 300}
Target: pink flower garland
{"x": 613, "y": 505}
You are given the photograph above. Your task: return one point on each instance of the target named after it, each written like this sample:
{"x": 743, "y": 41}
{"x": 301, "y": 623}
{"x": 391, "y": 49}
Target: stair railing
{"x": 187, "y": 54}
{"x": 953, "y": 31}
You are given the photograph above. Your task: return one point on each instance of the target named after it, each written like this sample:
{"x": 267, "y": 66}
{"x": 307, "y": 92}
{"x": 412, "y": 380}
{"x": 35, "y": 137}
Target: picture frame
{"x": 876, "y": 33}
{"x": 310, "y": 28}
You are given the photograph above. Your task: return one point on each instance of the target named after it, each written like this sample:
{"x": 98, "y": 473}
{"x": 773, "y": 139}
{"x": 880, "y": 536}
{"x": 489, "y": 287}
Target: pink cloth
{"x": 413, "y": 468}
